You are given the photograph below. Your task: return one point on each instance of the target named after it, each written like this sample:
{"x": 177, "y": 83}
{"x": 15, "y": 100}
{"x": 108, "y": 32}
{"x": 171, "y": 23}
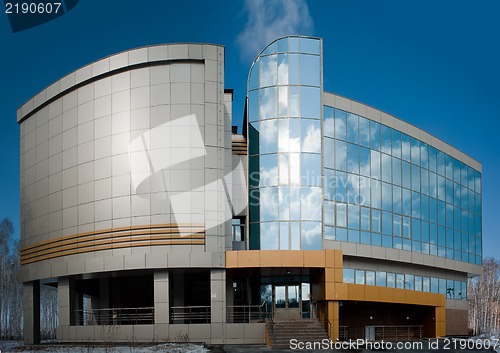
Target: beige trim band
{"x": 115, "y": 238}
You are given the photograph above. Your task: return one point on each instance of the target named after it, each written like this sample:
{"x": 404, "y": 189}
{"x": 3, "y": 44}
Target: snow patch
{"x": 19, "y": 347}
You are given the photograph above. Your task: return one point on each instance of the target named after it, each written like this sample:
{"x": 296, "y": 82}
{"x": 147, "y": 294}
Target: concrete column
{"x": 218, "y": 295}
{"x": 161, "y": 297}
{"x": 65, "y": 313}
{"x": 31, "y": 308}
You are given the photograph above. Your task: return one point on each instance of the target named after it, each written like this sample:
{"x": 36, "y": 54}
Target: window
{"x": 348, "y": 275}
{"x": 238, "y": 229}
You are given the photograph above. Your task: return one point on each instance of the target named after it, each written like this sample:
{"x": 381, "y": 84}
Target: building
{"x": 156, "y": 221}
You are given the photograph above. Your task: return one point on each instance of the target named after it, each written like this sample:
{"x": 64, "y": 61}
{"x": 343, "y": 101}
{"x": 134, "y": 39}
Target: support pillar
{"x": 31, "y": 308}
{"x": 161, "y": 297}
{"x": 217, "y": 295}
{"x": 333, "y": 318}
{"x": 66, "y": 315}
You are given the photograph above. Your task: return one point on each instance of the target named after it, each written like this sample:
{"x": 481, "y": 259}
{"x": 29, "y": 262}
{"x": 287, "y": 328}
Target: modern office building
{"x": 155, "y": 220}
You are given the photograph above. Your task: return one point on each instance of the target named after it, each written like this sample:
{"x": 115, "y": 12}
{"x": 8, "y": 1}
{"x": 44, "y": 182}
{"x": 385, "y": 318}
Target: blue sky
{"x": 434, "y": 64}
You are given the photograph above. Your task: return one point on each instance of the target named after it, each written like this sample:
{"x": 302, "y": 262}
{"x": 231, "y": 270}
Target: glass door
{"x": 287, "y": 302}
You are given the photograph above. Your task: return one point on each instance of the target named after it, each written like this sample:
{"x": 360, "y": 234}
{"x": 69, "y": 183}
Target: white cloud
{"x": 269, "y": 19}
{"x": 312, "y": 141}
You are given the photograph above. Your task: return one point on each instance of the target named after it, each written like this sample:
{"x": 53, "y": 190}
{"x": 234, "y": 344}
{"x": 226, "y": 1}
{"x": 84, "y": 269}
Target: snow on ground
{"x": 19, "y": 347}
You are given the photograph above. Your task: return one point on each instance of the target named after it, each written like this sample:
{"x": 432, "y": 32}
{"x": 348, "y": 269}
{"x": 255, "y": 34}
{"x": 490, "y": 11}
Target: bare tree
{"x": 484, "y": 300}
{"x": 10, "y": 290}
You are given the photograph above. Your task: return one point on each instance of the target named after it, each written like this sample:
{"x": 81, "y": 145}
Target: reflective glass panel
{"x": 310, "y": 102}
{"x": 309, "y": 70}
{"x": 283, "y": 69}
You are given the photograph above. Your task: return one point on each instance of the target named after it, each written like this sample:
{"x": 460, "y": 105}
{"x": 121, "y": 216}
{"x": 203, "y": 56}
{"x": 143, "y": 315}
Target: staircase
{"x": 280, "y": 332}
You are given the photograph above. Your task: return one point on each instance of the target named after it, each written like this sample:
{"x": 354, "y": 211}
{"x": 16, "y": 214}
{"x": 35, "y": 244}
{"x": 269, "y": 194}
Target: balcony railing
{"x": 190, "y": 314}
{"x": 115, "y": 316}
{"x": 247, "y": 313}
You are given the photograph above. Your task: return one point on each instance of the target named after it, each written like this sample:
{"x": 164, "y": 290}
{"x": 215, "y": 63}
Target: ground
{"x": 19, "y": 347}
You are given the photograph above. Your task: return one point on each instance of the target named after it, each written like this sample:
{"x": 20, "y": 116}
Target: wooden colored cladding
{"x": 239, "y": 147}
{"x": 116, "y": 238}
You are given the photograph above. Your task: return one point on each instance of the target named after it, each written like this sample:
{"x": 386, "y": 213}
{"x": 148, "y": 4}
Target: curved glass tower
{"x": 284, "y": 101}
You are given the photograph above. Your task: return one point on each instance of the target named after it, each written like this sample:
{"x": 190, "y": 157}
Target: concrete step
{"x": 282, "y": 331}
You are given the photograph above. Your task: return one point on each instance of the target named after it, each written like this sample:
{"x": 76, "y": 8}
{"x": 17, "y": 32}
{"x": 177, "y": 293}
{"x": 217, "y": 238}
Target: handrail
{"x": 247, "y": 313}
{"x": 115, "y": 316}
{"x": 195, "y": 314}
{"x": 327, "y": 324}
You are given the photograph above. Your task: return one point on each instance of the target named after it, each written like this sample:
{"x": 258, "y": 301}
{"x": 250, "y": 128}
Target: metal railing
{"x": 247, "y": 313}
{"x": 396, "y": 333}
{"x": 115, "y": 316}
{"x": 383, "y": 332}
{"x": 343, "y": 333}
{"x": 320, "y": 315}
{"x": 190, "y": 314}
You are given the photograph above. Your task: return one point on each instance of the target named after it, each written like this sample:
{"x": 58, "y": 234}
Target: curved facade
{"x": 284, "y": 112}
{"x": 136, "y": 203}
{"x": 123, "y": 174}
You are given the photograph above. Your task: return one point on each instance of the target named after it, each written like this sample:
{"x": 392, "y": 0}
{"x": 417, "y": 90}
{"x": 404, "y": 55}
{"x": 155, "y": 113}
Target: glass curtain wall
{"x": 284, "y": 115}
{"x": 385, "y": 188}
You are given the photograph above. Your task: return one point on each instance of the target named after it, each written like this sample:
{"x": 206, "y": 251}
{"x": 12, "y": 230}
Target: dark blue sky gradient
{"x": 431, "y": 63}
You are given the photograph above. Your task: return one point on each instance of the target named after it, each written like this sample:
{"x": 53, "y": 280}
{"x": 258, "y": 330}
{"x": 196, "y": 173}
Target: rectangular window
{"x": 386, "y": 139}
{"x": 238, "y": 225}
{"x": 405, "y": 175}
{"x": 432, "y": 159}
{"x": 415, "y": 151}
{"x": 387, "y": 223}
{"x": 348, "y": 275}
{"x": 352, "y": 158}
{"x": 341, "y": 215}
{"x": 353, "y": 235}
{"x": 360, "y": 277}
{"x": 396, "y": 171}
{"x": 364, "y": 132}
{"x": 375, "y": 164}
{"x": 381, "y": 279}
{"x": 400, "y": 280}
{"x": 376, "y": 221}
{"x": 352, "y": 128}
{"x": 386, "y": 196}
{"x": 405, "y": 147}
{"x": 370, "y": 278}
{"x": 418, "y": 283}
{"x": 397, "y": 225}
{"x": 409, "y": 282}
{"x": 442, "y": 286}
{"x": 340, "y": 155}
{"x": 376, "y": 192}
{"x": 365, "y": 218}
{"x": 396, "y": 199}
{"x": 284, "y": 242}
{"x": 391, "y": 280}
{"x": 340, "y": 124}
{"x": 415, "y": 178}
{"x": 386, "y": 168}
{"x": 424, "y": 155}
{"x": 396, "y": 143}
{"x": 406, "y": 227}
{"x": 374, "y": 136}
{"x": 434, "y": 285}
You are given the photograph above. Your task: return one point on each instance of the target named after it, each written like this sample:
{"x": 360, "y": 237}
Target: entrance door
{"x": 287, "y": 302}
